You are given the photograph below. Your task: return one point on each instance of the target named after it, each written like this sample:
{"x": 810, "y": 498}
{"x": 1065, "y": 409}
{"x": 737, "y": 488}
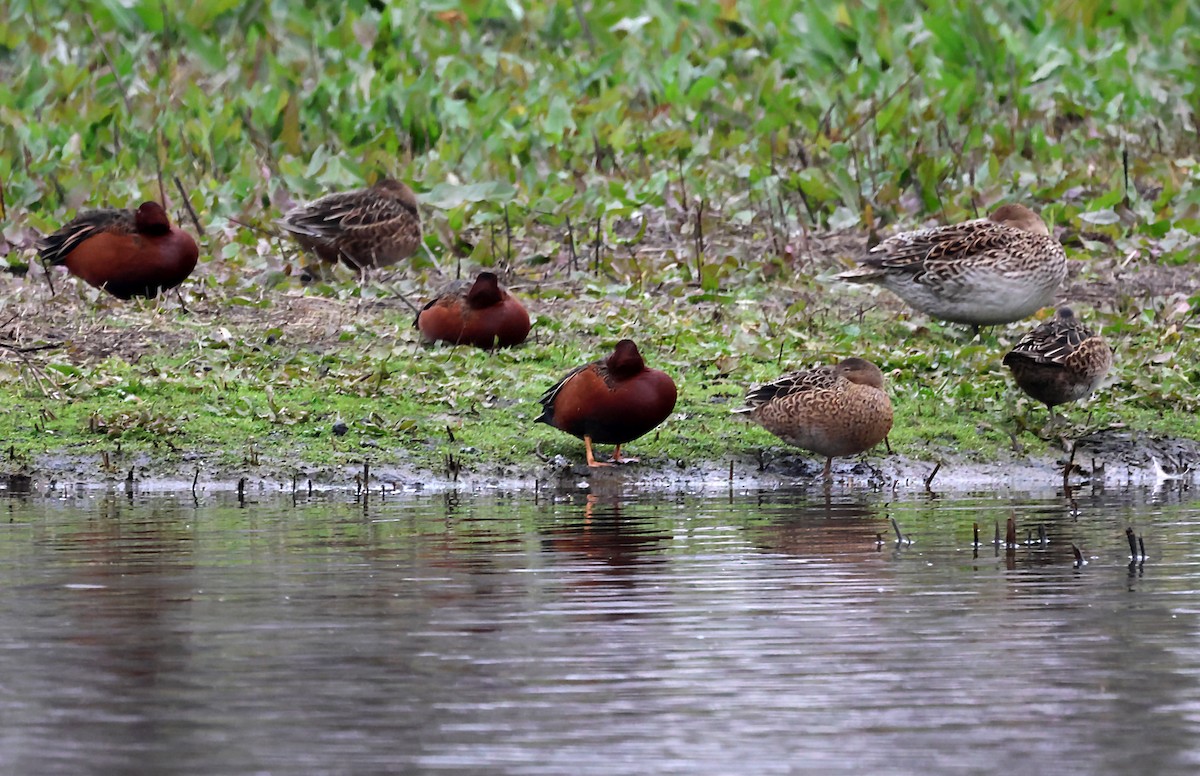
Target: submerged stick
{"x": 929, "y": 480}
{"x": 1067, "y": 470}
{"x": 1079, "y": 561}
{"x": 1142, "y": 547}
{"x": 1010, "y": 533}
{"x": 1132, "y": 539}
{"x": 975, "y": 532}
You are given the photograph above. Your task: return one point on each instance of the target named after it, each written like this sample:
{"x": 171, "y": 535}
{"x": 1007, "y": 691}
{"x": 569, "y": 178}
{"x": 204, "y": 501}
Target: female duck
{"x": 832, "y": 411}
{"x": 127, "y": 253}
{"x": 984, "y": 272}
{"x": 1060, "y": 361}
{"x": 483, "y": 314}
{"x": 372, "y": 227}
{"x": 611, "y": 401}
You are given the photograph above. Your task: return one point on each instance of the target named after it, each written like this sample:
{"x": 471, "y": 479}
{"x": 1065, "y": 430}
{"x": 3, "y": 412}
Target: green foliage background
{"x": 567, "y": 123}
{"x": 825, "y": 109}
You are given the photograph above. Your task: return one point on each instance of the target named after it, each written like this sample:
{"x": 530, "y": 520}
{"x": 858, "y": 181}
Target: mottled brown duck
{"x": 989, "y": 271}
{"x": 832, "y": 410}
{"x": 363, "y": 229}
{"x": 1060, "y": 361}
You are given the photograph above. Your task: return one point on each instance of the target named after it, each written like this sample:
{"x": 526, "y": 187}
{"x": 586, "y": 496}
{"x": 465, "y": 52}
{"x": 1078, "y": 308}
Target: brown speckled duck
{"x": 989, "y": 271}
{"x": 364, "y": 228}
{"x": 832, "y": 410}
{"x": 1060, "y": 361}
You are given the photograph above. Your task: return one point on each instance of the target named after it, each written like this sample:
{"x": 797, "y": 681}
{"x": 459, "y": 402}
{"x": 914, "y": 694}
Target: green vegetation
{"x": 688, "y": 174}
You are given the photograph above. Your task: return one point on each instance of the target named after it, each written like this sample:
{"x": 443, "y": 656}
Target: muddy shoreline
{"x": 1111, "y": 458}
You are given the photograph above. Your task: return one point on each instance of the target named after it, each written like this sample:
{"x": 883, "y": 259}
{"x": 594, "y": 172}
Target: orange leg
{"x": 617, "y": 457}
{"x": 591, "y": 459}
{"x": 829, "y": 468}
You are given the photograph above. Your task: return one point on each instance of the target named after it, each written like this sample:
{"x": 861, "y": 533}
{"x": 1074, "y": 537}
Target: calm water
{"x": 764, "y": 633}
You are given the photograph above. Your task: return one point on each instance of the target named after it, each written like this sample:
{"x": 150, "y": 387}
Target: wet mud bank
{"x": 1109, "y": 458}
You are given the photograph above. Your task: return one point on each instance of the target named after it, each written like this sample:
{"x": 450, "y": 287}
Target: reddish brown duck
{"x": 611, "y": 401}
{"x": 483, "y": 314}
{"x": 127, "y": 253}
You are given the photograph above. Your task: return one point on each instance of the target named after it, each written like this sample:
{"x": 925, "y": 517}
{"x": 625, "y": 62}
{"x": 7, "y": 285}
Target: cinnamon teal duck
{"x": 482, "y": 313}
{"x": 611, "y": 401}
{"x": 125, "y": 252}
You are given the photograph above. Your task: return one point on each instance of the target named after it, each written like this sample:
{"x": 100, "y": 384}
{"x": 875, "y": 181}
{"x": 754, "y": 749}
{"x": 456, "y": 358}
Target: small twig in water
{"x": 1132, "y": 539}
{"x": 929, "y": 481}
{"x": 1067, "y": 469}
{"x": 1079, "y": 561}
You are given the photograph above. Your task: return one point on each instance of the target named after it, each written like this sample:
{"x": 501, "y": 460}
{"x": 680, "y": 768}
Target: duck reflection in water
{"x": 843, "y": 531}
{"x": 614, "y": 548}
{"x": 126, "y": 582}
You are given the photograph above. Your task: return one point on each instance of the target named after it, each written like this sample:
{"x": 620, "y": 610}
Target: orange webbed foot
{"x": 591, "y": 459}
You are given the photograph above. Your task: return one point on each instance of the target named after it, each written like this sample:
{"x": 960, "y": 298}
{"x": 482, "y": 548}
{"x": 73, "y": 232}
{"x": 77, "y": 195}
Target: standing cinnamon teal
{"x": 483, "y": 314}
{"x": 1060, "y": 361}
{"x": 611, "y": 401}
{"x": 832, "y": 410}
{"x": 127, "y": 253}
{"x": 989, "y": 271}
{"x": 372, "y": 227}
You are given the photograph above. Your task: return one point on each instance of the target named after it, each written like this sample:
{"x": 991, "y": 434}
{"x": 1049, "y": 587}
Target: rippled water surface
{"x": 762, "y": 633}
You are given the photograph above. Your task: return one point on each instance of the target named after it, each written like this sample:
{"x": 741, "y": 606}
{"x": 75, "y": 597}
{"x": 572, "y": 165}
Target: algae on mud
{"x": 687, "y": 175}
{"x": 229, "y": 388}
